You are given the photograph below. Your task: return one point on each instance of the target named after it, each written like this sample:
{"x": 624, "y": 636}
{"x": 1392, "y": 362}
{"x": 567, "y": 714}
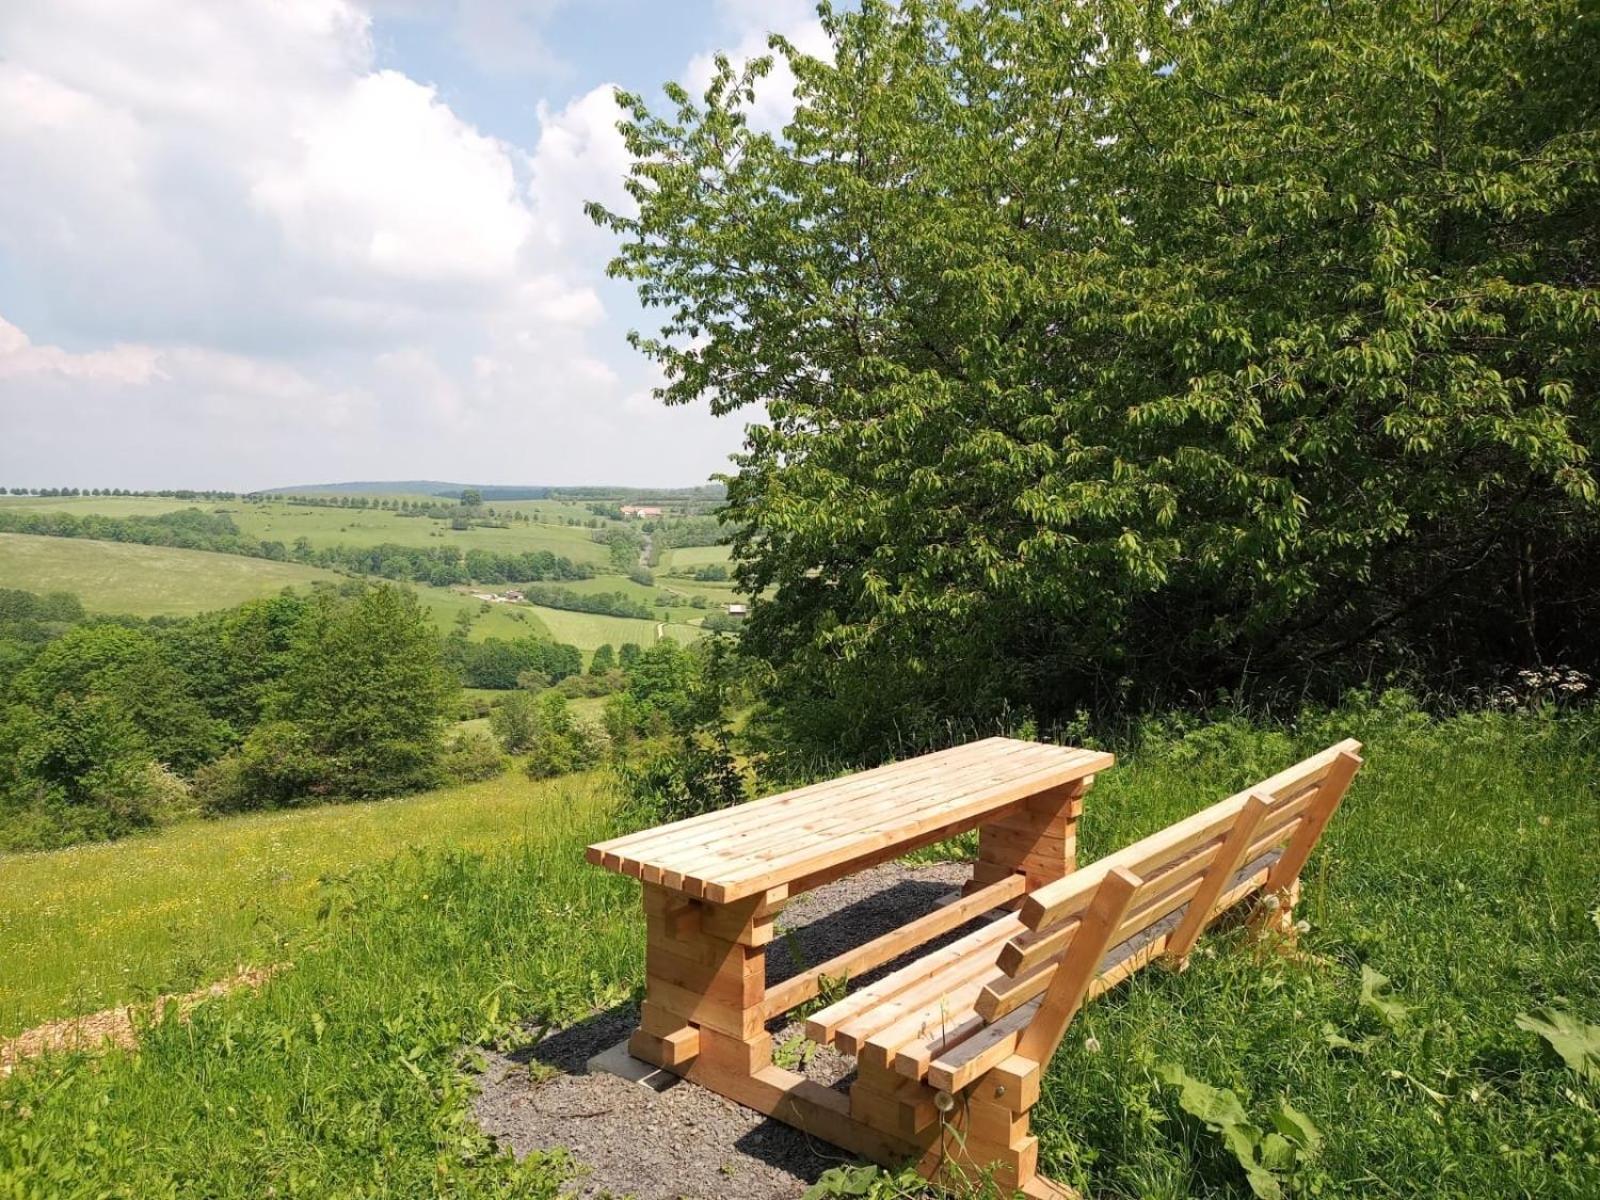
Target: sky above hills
{"x": 274, "y": 240}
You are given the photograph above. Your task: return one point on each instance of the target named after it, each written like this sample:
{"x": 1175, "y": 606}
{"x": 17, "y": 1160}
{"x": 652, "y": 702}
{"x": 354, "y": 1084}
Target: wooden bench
{"x": 950, "y": 1048}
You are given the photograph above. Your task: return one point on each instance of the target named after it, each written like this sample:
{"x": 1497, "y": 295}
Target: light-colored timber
{"x": 950, "y": 1047}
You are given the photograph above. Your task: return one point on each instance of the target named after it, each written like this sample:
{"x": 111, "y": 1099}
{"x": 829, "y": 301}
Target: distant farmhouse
{"x": 737, "y": 610}
{"x": 641, "y": 511}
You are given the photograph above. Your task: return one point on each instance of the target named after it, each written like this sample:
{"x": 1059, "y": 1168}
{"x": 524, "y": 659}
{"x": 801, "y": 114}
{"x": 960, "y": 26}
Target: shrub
{"x": 515, "y": 722}
{"x": 470, "y": 757}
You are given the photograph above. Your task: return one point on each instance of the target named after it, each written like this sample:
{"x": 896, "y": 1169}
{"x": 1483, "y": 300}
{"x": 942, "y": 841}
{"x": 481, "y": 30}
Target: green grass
{"x": 1464, "y": 865}
{"x": 688, "y": 557}
{"x": 369, "y": 527}
{"x": 101, "y": 506}
{"x": 506, "y": 621}
{"x": 144, "y": 581}
{"x": 85, "y": 928}
{"x": 589, "y": 630}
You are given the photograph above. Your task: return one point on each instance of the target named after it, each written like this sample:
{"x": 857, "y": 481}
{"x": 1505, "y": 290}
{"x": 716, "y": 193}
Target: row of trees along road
{"x": 1114, "y": 352}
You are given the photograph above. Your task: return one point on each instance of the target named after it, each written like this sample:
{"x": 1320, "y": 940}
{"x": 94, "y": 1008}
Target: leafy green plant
{"x": 1377, "y": 996}
{"x": 1576, "y": 1041}
{"x": 1266, "y": 1155}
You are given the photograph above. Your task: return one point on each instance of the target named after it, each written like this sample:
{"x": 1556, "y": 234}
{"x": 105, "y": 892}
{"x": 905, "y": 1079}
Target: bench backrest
{"x": 1155, "y": 897}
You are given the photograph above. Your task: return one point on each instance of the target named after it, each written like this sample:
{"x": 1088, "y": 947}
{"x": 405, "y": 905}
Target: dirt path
{"x": 118, "y": 1026}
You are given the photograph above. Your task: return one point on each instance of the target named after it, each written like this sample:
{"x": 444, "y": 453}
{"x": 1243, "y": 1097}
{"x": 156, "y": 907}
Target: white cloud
{"x": 248, "y": 255}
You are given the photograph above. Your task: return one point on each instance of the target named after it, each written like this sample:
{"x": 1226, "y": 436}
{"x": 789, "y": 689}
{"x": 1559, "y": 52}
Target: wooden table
{"x": 714, "y": 884}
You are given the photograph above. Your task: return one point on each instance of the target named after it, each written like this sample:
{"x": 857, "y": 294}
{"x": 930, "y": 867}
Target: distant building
{"x": 514, "y": 595}
{"x": 640, "y": 510}
{"x": 737, "y": 610}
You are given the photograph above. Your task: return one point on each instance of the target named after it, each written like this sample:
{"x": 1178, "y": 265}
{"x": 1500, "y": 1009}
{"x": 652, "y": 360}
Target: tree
{"x": 515, "y": 722}
{"x": 366, "y": 688}
{"x": 604, "y": 659}
{"x": 471, "y": 498}
{"x": 1115, "y": 353}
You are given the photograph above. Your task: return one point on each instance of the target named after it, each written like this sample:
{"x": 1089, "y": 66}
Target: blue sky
{"x": 280, "y": 241}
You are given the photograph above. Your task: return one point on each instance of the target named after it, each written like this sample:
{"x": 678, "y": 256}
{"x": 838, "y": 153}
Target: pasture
{"x": 145, "y": 581}
{"x": 93, "y": 926}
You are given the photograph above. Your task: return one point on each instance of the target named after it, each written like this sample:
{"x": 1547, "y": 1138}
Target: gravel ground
{"x": 683, "y": 1141}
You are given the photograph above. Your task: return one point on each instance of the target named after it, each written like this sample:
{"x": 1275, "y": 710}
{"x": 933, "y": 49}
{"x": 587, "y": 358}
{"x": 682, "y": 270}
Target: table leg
{"x": 705, "y": 982}
{"x": 1037, "y": 838}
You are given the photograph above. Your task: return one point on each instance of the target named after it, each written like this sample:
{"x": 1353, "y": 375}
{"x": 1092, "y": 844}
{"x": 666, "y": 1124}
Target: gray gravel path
{"x": 686, "y": 1142}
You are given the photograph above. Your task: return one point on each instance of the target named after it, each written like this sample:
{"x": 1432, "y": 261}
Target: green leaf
{"x": 1215, "y": 1106}
{"x": 1297, "y": 1127}
{"x": 1375, "y": 995}
{"x": 1575, "y": 1040}
{"x": 1338, "y": 1041}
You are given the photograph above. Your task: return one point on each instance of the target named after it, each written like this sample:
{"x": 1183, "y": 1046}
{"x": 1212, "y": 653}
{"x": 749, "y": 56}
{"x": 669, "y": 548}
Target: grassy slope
{"x": 93, "y": 926}
{"x": 146, "y": 581}
{"x": 1463, "y": 865}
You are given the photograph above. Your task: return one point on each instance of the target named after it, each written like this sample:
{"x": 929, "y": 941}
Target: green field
{"x": 145, "y": 581}
{"x": 1464, "y": 867}
{"x": 685, "y": 558}
{"x": 85, "y": 928}
{"x": 103, "y": 506}
{"x": 369, "y": 527}
{"x": 589, "y": 630}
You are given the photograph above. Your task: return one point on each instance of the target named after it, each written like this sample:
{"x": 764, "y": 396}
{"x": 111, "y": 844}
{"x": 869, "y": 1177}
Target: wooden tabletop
{"x": 737, "y": 852}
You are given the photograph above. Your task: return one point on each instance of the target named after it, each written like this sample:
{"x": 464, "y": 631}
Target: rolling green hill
{"x": 144, "y": 581}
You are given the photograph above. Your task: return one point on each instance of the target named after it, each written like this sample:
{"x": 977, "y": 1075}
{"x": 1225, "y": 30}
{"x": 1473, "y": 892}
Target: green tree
{"x": 515, "y": 722}
{"x": 471, "y": 498}
{"x": 367, "y": 690}
{"x": 1118, "y": 352}
{"x": 605, "y": 659}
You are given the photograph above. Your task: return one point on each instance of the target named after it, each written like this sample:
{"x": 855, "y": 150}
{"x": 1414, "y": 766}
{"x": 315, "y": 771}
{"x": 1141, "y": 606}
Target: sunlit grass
{"x": 89, "y": 927}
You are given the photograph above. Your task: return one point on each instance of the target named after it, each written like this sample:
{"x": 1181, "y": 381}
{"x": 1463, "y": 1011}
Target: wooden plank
{"x": 943, "y": 1022}
{"x": 985, "y": 1050}
{"x": 822, "y": 1025}
{"x": 1054, "y": 902}
{"x": 781, "y": 997}
{"x": 692, "y": 865}
{"x": 1003, "y": 997}
{"x": 864, "y": 841}
{"x": 1071, "y": 983}
{"x": 772, "y": 810}
{"x": 1234, "y": 853}
{"x": 836, "y": 821}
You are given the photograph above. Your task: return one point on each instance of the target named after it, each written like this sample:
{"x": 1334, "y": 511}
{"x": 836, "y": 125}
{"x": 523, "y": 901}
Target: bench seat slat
{"x": 976, "y": 948}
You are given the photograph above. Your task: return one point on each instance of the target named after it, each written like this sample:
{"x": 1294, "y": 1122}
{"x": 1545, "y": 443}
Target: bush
{"x": 515, "y": 722}
{"x": 277, "y": 765}
{"x": 471, "y": 757}
{"x": 562, "y": 743}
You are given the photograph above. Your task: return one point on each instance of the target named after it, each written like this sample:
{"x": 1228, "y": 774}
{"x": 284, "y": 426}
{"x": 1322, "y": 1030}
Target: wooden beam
{"x": 1077, "y": 971}
{"x": 781, "y": 997}
{"x": 1232, "y": 856}
{"x": 1321, "y": 811}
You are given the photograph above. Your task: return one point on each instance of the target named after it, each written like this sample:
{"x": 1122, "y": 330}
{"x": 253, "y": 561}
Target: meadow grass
{"x": 92, "y": 926}
{"x": 145, "y": 581}
{"x": 1464, "y": 866}
{"x": 687, "y": 557}
{"x": 589, "y": 630}
{"x": 324, "y": 526}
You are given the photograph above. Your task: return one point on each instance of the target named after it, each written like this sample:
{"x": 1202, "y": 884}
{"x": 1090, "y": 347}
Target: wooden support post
{"x": 1077, "y": 970}
{"x": 1229, "y": 859}
{"x": 705, "y": 983}
{"x": 1282, "y": 880}
{"x": 1037, "y": 839}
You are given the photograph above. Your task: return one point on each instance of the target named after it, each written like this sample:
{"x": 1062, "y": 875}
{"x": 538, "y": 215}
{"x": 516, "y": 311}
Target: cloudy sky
{"x": 263, "y": 242}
